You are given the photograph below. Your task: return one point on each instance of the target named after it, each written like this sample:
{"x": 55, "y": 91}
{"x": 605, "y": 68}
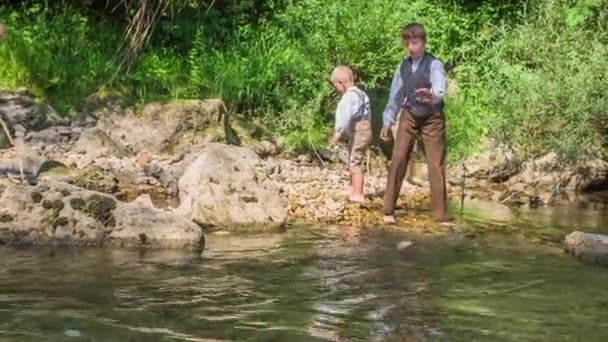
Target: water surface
{"x": 320, "y": 284}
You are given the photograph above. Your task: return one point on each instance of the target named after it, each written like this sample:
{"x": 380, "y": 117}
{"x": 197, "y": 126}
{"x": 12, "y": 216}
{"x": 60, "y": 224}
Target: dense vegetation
{"x": 528, "y": 73}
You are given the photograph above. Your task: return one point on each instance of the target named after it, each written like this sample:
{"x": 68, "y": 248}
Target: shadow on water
{"x": 313, "y": 284}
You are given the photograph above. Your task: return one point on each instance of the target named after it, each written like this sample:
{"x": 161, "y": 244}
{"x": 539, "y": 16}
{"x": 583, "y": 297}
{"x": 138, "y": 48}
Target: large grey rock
{"x": 591, "y": 248}
{"x": 59, "y": 213}
{"x": 497, "y": 173}
{"x": 96, "y": 143}
{"x": 18, "y": 108}
{"x": 26, "y": 164}
{"x": 548, "y": 178}
{"x": 227, "y": 185}
{"x": 493, "y": 163}
{"x": 53, "y": 135}
{"x": 21, "y": 113}
{"x": 168, "y": 126}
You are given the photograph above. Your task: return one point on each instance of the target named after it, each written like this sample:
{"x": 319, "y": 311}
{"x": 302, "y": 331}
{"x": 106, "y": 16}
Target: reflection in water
{"x": 566, "y": 216}
{"x": 326, "y": 284}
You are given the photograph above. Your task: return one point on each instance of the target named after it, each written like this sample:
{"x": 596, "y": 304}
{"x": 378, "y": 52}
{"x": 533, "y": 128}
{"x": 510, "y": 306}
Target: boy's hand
{"x": 424, "y": 94}
{"x": 384, "y": 134}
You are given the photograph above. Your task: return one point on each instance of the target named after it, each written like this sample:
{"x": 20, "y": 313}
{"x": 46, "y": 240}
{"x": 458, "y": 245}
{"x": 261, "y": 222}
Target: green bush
{"x": 529, "y": 73}
{"x": 61, "y": 58}
{"x": 548, "y": 85}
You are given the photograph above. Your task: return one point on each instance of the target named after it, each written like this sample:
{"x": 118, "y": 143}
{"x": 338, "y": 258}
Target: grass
{"x": 527, "y": 73}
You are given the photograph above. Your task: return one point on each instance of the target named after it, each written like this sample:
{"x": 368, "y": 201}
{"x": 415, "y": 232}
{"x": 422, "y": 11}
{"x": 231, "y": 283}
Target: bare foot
{"x": 447, "y": 224}
{"x": 389, "y": 219}
{"x": 357, "y": 199}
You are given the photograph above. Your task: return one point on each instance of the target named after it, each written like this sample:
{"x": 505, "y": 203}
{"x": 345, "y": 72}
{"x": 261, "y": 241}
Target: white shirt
{"x": 354, "y": 104}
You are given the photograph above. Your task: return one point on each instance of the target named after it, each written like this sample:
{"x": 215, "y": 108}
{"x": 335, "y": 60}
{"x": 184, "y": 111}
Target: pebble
{"x": 404, "y": 244}
{"x": 72, "y": 333}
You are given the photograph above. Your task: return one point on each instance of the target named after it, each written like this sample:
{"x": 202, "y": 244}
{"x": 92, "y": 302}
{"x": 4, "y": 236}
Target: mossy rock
{"x": 4, "y": 218}
{"x": 60, "y": 221}
{"x": 59, "y": 170}
{"x": 36, "y": 197}
{"x": 95, "y": 179}
{"x": 250, "y": 128}
{"x": 105, "y": 98}
{"x": 77, "y": 203}
{"x": 52, "y": 166}
{"x": 91, "y": 178}
{"x": 100, "y": 208}
{"x": 50, "y": 217}
{"x": 53, "y": 204}
{"x": 4, "y": 141}
{"x": 212, "y": 133}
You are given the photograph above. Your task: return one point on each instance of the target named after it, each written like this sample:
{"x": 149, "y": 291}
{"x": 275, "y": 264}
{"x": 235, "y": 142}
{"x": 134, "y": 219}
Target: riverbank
{"x": 193, "y": 161}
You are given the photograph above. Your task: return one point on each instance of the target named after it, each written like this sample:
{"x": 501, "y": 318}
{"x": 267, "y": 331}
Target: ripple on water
{"x": 325, "y": 283}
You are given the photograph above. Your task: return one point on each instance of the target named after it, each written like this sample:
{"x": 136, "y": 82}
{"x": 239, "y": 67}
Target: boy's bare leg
{"x": 361, "y": 140}
{"x": 357, "y": 181}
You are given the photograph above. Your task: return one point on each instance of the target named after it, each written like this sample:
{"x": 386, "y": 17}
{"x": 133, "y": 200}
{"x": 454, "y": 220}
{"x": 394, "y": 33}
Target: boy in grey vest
{"x": 417, "y": 94}
{"x": 353, "y": 122}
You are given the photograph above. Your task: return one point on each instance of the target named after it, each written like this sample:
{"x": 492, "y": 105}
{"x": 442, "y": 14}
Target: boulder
{"x": 592, "y": 248}
{"x": 57, "y": 213}
{"x": 548, "y": 179}
{"x": 493, "y": 163}
{"x": 18, "y": 108}
{"x": 169, "y": 127}
{"x": 90, "y": 178}
{"x": 227, "y": 185}
{"x": 20, "y": 113}
{"x": 97, "y": 144}
{"x": 124, "y": 186}
{"x": 29, "y": 165}
{"x": 52, "y": 135}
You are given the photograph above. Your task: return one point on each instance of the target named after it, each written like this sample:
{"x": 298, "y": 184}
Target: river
{"x": 322, "y": 284}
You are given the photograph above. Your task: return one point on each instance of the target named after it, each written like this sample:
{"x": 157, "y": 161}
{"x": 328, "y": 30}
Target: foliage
{"x": 525, "y": 72}
{"x": 60, "y": 58}
{"x": 548, "y": 87}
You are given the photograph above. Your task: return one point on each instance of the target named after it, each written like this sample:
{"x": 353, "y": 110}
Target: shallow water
{"x": 319, "y": 284}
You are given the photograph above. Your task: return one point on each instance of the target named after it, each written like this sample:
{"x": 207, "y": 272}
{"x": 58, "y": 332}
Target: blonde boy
{"x": 353, "y": 123}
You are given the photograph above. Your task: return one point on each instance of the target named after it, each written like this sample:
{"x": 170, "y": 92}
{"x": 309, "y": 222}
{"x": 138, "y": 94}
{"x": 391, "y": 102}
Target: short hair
{"x": 413, "y": 30}
{"x": 341, "y": 72}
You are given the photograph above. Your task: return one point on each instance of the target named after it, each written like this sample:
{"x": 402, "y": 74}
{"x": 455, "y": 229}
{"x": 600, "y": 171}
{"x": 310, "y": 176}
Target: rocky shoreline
{"x": 155, "y": 176}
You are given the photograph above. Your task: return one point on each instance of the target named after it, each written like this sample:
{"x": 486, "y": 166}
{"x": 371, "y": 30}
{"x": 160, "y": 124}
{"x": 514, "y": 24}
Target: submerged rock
{"x": 592, "y": 248}
{"x": 404, "y": 244}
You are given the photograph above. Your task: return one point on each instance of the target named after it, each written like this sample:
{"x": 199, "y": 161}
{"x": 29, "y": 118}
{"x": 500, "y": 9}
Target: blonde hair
{"x": 342, "y": 73}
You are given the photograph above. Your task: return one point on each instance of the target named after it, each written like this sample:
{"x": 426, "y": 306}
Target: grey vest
{"x": 363, "y": 113}
{"x": 415, "y": 80}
